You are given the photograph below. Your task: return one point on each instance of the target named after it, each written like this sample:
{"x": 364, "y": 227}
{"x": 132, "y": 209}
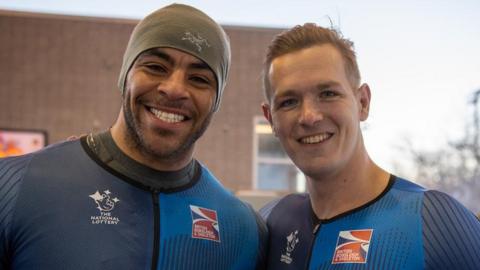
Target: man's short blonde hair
{"x": 305, "y": 36}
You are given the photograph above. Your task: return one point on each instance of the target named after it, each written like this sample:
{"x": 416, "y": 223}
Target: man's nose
{"x": 311, "y": 113}
{"x": 174, "y": 86}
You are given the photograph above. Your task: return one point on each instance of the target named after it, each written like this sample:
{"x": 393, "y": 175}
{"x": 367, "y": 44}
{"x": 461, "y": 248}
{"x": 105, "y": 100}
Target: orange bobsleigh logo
{"x": 352, "y": 246}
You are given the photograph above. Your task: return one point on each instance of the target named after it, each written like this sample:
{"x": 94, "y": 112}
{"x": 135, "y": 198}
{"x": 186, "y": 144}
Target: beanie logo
{"x": 196, "y": 40}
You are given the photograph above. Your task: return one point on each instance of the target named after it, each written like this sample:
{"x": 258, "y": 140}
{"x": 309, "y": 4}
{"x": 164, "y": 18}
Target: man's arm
{"x": 11, "y": 173}
{"x": 451, "y": 233}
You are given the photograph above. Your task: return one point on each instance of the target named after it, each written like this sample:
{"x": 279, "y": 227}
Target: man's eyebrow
{"x": 285, "y": 93}
{"x": 200, "y": 65}
{"x": 162, "y": 55}
{"x": 159, "y": 54}
{"x": 327, "y": 84}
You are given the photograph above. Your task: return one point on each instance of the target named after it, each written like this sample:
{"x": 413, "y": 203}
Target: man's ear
{"x": 266, "y": 112}
{"x": 268, "y": 115}
{"x": 364, "y": 96}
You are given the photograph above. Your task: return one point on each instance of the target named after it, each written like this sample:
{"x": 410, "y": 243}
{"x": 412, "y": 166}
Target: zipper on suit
{"x": 310, "y": 250}
{"x": 156, "y": 229}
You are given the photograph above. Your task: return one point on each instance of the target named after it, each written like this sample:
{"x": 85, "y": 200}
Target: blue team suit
{"x": 62, "y": 208}
{"x": 406, "y": 227}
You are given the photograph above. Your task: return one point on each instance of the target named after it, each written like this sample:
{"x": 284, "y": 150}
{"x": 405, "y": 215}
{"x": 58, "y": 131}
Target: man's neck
{"x": 337, "y": 193}
{"x": 108, "y": 153}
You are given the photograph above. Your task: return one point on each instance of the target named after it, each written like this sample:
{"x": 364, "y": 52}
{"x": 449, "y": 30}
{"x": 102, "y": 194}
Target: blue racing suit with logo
{"x": 406, "y": 227}
{"x": 62, "y": 209}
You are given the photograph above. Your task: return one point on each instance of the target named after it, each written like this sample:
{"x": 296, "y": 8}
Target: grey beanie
{"x": 184, "y": 28}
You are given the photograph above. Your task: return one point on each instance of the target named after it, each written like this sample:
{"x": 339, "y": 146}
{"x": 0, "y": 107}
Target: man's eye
{"x": 156, "y": 68}
{"x": 287, "y": 103}
{"x": 328, "y": 93}
{"x": 199, "y": 79}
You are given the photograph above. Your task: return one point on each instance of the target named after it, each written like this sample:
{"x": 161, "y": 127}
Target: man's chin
{"x": 165, "y": 148}
{"x": 165, "y": 152}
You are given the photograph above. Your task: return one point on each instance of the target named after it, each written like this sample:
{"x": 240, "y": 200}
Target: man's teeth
{"x": 167, "y": 117}
{"x": 316, "y": 139}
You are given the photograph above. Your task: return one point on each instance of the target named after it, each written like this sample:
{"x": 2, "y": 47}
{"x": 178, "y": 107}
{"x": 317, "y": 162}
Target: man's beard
{"x": 136, "y": 139}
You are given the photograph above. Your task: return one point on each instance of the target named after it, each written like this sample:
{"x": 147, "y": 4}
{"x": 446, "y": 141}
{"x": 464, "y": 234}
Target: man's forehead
{"x": 171, "y": 55}
{"x": 323, "y": 54}
{"x": 323, "y": 61}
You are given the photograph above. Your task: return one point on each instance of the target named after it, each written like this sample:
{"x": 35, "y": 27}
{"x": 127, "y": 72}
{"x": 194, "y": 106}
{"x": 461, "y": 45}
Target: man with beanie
{"x": 133, "y": 197}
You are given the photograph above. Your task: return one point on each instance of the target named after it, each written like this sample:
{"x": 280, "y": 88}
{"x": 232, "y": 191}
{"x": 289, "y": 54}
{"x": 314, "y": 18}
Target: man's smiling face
{"x": 168, "y": 103}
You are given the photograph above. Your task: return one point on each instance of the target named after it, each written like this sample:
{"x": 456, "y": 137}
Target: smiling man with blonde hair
{"x": 356, "y": 215}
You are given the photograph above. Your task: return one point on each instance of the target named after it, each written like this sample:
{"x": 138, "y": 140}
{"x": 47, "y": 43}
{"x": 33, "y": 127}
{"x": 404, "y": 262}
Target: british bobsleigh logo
{"x": 205, "y": 223}
{"x": 352, "y": 246}
{"x": 105, "y": 203}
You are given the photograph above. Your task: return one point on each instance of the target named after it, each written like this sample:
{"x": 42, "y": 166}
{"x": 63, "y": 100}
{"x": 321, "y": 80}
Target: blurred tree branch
{"x": 454, "y": 169}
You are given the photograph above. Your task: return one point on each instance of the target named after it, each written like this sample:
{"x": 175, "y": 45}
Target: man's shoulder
{"x": 44, "y": 152}
{"x": 440, "y": 205}
{"x": 432, "y": 198}
{"x": 407, "y": 185}
{"x": 71, "y": 145}
{"x": 14, "y": 169}
{"x": 14, "y": 162}
{"x": 449, "y": 225}
{"x": 215, "y": 187}
{"x": 213, "y": 190}
{"x": 294, "y": 202}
